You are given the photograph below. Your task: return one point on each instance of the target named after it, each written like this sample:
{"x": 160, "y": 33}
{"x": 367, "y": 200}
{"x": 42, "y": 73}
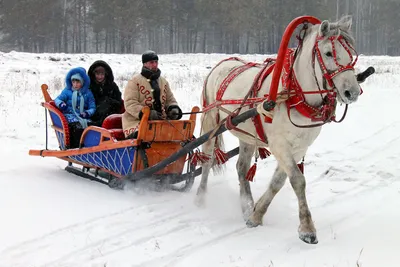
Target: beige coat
{"x": 138, "y": 93}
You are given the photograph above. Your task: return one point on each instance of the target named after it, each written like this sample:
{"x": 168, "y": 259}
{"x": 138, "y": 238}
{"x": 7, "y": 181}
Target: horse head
{"x": 328, "y": 48}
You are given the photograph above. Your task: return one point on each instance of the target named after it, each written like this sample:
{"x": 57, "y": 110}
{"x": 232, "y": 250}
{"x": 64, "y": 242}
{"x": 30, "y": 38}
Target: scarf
{"x": 75, "y": 94}
{"x": 153, "y": 76}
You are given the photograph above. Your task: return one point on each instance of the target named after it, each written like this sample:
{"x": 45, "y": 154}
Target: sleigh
{"x": 106, "y": 156}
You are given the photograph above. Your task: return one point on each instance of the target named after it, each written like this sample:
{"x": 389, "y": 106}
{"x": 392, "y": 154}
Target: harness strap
{"x": 231, "y": 76}
{"x": 249, "y": 99}
{"x": 229, "y": 125}
{"x": 206, "y": 80}
{"x": 257, "y": 84}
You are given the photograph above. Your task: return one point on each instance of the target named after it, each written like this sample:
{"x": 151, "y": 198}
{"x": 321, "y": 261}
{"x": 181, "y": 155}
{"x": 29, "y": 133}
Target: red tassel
{"x": 301, "y": 167}
{"x": 199, "y": 157}
{"x": 220, "y": 156}
{"x": 263, "y": 152}
{"x": 251, "y": 173}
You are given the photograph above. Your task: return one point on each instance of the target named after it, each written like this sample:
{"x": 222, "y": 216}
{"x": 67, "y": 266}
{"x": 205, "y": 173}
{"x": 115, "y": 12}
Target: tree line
{"x": 184, "y": 26}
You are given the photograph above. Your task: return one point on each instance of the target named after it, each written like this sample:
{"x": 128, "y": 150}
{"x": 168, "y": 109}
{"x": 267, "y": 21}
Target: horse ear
{"x": 324, "y": 28}
{"x": 348, "y": 21}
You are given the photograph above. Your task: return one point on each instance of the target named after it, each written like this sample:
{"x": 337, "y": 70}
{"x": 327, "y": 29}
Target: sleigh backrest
{"x": 59, "y": 124}
{"x": 58, "y": 121}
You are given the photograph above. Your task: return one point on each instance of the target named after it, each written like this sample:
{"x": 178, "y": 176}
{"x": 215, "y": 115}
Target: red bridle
{"x": 328, "y": 75}
{"x": 326, "y": 112}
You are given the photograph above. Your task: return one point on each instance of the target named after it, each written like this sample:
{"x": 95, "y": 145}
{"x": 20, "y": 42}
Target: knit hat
{"x": 149, "y": 56}
{"x": 77, "y": 76}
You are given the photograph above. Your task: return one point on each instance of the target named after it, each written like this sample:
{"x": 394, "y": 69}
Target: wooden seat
{"x": 117, "y": 134}
{"x": 113, "y": 121}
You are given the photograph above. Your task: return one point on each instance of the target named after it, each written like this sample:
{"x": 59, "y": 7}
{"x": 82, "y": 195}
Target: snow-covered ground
{"x": 49, "y": 217}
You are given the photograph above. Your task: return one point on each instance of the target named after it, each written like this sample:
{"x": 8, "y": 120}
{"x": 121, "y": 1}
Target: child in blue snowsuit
{"x": 77, "y": 103}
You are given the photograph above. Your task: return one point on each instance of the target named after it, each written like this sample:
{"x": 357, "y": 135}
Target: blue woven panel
{"x": 117, "y": 160}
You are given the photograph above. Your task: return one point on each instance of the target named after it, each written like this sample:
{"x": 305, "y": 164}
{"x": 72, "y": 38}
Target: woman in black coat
{"x": 105, "y": 91}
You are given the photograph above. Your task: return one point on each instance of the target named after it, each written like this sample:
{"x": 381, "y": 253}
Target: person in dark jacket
{"x": 105, "y": 91}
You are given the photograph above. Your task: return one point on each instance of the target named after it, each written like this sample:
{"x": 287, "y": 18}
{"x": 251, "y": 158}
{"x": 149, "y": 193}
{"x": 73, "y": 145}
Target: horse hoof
{"x": 200, "y": 202}
{"x": 309, "y": 238}
{"x": 246, "y": 215}
{"x": 247, "y": 212}
{"x": 251, "y": 224}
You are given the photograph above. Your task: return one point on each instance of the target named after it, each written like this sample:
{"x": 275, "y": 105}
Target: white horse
{"x": 324, "y": 67}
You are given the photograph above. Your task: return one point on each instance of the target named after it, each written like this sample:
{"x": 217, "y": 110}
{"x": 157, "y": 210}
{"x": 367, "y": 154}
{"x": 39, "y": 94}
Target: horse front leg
{"x": 307, "y": 231}
{"x": 242, "y": 166}
{"x": 261, "y": 207}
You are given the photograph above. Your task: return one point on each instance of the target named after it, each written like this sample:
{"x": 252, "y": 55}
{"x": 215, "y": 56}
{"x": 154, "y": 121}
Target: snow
{"x": 52, "y": 218}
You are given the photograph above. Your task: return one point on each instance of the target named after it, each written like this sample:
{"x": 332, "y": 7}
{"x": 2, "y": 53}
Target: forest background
{"x": 185, "y": 26}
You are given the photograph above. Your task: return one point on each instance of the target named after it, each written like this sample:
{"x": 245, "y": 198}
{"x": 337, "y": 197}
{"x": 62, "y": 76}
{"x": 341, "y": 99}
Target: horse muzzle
{"x": 349, "y": 95}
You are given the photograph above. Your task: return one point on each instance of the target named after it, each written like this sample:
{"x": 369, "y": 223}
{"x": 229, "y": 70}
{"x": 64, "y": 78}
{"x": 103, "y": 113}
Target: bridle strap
{"x": 328, "y": 75}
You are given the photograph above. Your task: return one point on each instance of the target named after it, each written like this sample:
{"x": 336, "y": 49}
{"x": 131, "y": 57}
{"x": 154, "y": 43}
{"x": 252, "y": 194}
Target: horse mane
{"x": 342, "y": 27}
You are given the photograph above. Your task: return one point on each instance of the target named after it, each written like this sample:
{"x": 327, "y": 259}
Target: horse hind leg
{"x": 208, "y": 123}
{"x": 276, "y": 183}
{"x": 206, "y": 167}
{"x": 242, "y": 166}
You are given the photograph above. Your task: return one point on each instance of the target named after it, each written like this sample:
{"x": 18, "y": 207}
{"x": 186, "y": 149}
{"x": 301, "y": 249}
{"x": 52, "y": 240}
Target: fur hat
{"x": 78, "y": 77}
{"x": 149, "y": 56}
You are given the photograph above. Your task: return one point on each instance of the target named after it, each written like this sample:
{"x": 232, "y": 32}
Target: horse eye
{"x": 329, "y": 54}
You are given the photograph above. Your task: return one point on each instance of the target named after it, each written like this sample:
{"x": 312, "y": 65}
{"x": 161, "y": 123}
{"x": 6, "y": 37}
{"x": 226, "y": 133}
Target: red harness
{"x": 324, "y": 113}
{"x": 252, "y": 97}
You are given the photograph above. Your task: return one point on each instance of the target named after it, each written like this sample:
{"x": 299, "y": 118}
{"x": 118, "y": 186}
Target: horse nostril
{"x": 347, "y": 94}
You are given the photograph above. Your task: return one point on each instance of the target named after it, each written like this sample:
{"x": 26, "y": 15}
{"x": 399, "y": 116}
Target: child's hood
{"x": 82, "y": 72}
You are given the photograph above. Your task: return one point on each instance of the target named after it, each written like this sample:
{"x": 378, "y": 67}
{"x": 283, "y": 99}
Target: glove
{"x": 154, "y": 115}
{"x": 63, "y": 106}
{"x": 174, "y": 113}
{"x": 85, "y": 115}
